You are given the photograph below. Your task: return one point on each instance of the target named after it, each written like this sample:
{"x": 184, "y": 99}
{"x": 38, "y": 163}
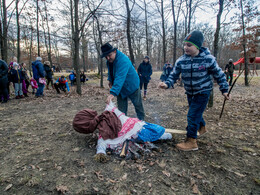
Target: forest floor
{"x": 41, "y": 153}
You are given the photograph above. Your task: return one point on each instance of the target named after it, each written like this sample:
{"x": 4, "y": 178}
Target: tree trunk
{"x": 244, "y": 45}
{"x": 163, "y": 33}
{"x": 4, "y": 46}
{"x": 49, "y": 35}
{"x": 146, "y": 30}
{"x": 76, "y": 46}
{"x": 18, "y": 31}
{"x": 101, "y": 61}
{"x": 37, "y": 25}
{"x": 128, "y": 26}
{"x": 216, "y": 40}
{"x": 189, "y": 20}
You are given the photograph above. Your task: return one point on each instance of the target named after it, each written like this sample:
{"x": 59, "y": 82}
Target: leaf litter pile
{"x": 41, "y": 153}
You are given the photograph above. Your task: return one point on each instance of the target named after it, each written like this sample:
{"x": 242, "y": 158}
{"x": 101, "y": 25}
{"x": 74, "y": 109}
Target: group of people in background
{"x": 16, "y": 75}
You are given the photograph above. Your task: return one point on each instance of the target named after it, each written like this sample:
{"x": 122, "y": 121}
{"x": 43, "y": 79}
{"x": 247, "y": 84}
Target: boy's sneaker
{"x": 190, "y": 144}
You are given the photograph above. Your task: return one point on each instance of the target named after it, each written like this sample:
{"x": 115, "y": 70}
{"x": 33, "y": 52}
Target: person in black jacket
{"x": 145, "y": 71}
{"x": 3, "y": 81}
{"x": 48, "y": 74}
{"x": 229, "y": 70}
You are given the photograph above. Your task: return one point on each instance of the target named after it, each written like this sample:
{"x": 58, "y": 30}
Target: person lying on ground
{"x": 115, "y": 129}
{"x": 62, "y": 84}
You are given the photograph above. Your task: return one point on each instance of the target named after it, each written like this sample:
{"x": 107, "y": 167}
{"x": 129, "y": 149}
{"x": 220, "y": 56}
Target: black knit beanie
{"x": 196, "y": 38}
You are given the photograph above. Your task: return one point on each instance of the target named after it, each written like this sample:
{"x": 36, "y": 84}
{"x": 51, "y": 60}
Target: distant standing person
{"x": 38, "y": 72}
{"x": 167, "y": 69}
{"x": 17, "y": 79}
{"x": 3, "y": 81}
{"x": 197, "y": 67}
{"x": 123, "y": 80}
{"x": 145, "y": 71}
{"x": 229, "y": 69}
{"x": 48, "y": 74}
{"x": 26, "y": 81}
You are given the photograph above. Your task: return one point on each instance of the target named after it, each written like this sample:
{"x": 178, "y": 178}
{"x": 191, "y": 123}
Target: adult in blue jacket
{"x": 38, "y": 72}
{"x": 123, "y": 80}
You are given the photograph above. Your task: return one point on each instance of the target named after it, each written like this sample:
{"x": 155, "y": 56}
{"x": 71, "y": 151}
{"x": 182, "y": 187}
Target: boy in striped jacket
{"x": 197, "y": 67}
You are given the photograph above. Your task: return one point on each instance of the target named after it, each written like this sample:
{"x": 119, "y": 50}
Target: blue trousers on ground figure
{"x": 197, "y": 105}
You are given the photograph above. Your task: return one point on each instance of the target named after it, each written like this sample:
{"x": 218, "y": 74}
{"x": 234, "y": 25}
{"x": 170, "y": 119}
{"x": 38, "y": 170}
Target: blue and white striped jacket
{"x": 197, "y": 72}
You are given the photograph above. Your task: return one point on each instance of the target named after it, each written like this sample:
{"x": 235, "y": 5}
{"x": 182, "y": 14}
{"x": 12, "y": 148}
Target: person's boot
{"x": 145, "y": 97}
{"x": 189, "y": 144}
{"x": 202, "y": 130}
{"x": 17, "y": 97}
{"x": 47, "y": 87}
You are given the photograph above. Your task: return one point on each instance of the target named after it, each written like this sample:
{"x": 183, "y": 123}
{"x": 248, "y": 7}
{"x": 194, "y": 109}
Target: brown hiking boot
{"x": 202, "y": 130}
{"x": 189, "y": 145}
{"x": 144, "y": 97}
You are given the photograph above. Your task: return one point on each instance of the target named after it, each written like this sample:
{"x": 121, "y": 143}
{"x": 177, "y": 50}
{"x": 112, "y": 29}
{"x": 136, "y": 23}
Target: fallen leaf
{"x": 61, "y": 188}
{"x": 96, "y": 189}
{"x": 195, "y": 189}
{"x": 8, "y": 187}
{"x": 76, "y": 149}
{"x": 166, "y": 173}
{"x": 124, "y": 176}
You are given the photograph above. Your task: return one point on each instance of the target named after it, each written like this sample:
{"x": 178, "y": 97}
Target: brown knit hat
{"x": 86, "y": 121}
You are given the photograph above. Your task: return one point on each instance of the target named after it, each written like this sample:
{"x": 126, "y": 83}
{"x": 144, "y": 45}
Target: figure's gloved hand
{"x": 100, "y": 157}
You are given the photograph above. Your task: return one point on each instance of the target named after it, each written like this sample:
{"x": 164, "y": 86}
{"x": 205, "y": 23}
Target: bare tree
{"x": 128, "y": 30}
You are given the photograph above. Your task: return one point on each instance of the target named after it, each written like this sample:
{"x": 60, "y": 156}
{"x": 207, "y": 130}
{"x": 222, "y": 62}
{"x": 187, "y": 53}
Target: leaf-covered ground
{"x": 41, "y": 153}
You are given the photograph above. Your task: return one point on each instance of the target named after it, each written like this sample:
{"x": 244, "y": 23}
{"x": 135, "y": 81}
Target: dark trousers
{"x": 229, "y": 75}
{"x": 143, "y": 84}
{"x": 136, "y": 99}
{"x": 59, "y": 87}
{"x": 197, "y": 105}
{"x": 4, "y": 90}
{"x": 49, "y": 81}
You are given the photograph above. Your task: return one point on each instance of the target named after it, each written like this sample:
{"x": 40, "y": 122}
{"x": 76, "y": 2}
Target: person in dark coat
{"x": 145, "y": 71}
{"x": 38, "y": 72}
{"x": 229, "y": 70}
{"x": 48, "y": 74}
{"x": 167, "y": 69}
{"x": 26, "y": 81}
{"x": 83, "y": 77}
{"x": 3, "y": 81}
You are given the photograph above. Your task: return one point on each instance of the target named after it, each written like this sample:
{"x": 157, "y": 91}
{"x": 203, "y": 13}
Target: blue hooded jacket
{"x": 38, "y": 70}
{"x": 126, "y": 80}
{"x": 197, "y": 73}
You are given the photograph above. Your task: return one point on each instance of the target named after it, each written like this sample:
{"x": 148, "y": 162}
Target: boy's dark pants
{"x": 197, "y": 105}
{"x": 59, "y": 87}
{"x": 137, "y": 102}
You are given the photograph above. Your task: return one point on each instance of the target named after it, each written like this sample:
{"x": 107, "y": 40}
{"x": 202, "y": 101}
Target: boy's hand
{"x": 162, "y": 85}
{"x": 100, "y": 157}
{"x": 227, "y": 97}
